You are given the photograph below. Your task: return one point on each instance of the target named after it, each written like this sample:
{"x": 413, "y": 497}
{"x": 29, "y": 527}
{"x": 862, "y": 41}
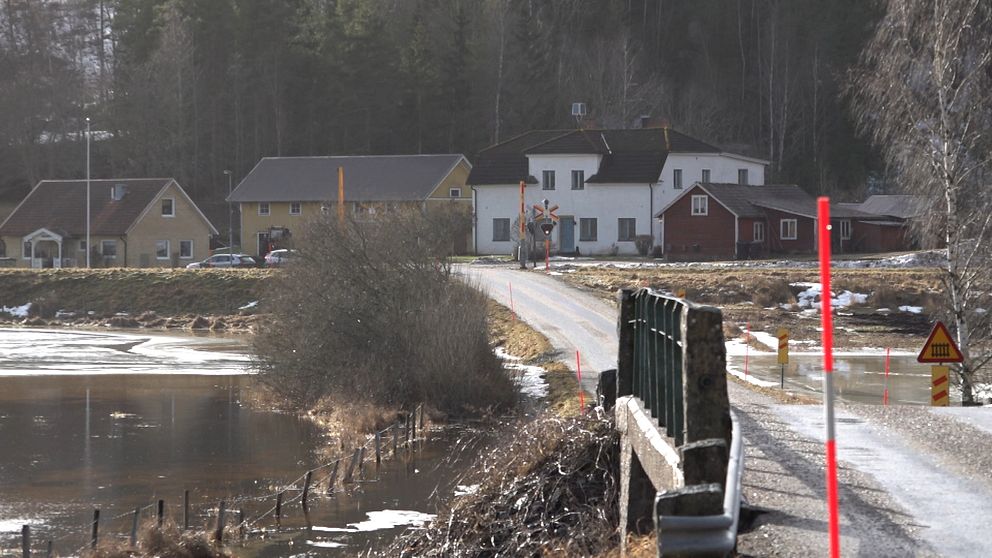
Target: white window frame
{"x": 677, "y": 179}
{"x": 268, "y": 209}
{"x": 298, "y": 206}
{"x": 190, "y": 256}
{"x": 578, "y": 180}
{"x": 845, "y": 229}
{"x": 509, "y": 226}
{"x": 545, "y": 183}
{"x": 103, "y": 249}
{"x": 702, "y": 208}
{"x": 758, "y": 231}
{"x": 742, "y": 177}
{"x": 454, "y": 192}
{"x": 168, "y": 250}
{"x": 785, "y": 224}
{"x": 704, "y": 176}
{"x": 172, "y": 207}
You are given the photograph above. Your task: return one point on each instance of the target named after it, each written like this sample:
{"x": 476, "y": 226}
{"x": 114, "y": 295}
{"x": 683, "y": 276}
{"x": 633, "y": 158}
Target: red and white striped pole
{"x": 578, "y": 373}
{"x": 513, "y": 311}
{"x": 823, "y": 223}
{"x": 747, "y": 348}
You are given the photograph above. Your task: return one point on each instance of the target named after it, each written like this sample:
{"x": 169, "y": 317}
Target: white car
{"x": 279, "y": 257}
{"x": 223, "y": 260}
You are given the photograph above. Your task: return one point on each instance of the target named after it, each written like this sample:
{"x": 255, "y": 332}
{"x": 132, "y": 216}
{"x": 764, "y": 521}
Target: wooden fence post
{"x": 396, "y": 435}
{"x": 96, "y": 528}
{"x": 185, "y": 510}
{"x": 219, "y": 534}
{"x": 413, "y": 423}
{"x": 333, "y": 478}
{"x": 351, "y": 467}
{"x": 279, "y": 507}
{"x": 241, "y": 523}
{"x": 161, "y": 512}
{"x": 625, "y": 354}
{"x": 306, "y": 488}
{"x": 26, "y": 541}
{"x": 134, "y": 527}
{"x": 421, "y": 418}
{"x": 361, "y": 462}
{"x": 378, "y": 444}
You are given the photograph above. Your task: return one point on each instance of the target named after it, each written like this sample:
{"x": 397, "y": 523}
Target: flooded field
{"x": 118, "y": 421}
{"x": 858, "y": 378}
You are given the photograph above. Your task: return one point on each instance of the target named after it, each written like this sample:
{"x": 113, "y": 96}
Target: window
{"x": 706, "y": 175}
{"x": 626, "y": 229}
{"x": 845, "y": 230}
{"x": 294, "y": 208}
{"x": 168, "y": 207}
{"x": 700, "y": 205}
{"x": 677, "y": 179}
{"x": 82, "y": 245}
{"x": 26, "y": 250}
{"x": 578, "y": 180}
{"x": 758, "y": 231}
{"x": 263, "y": 208}
{"x": 587, "y": 228}
{"x": 108, "y": 248}
{"x": 501, "y": 230}
{"x": 548, "y": 182}
{"x": 742, "y": 176}
{"x": 454, "y": 192}
{"x": 787, "y": 229}
{"x": 162, "y": 249}
{"x": 186, "y": 249}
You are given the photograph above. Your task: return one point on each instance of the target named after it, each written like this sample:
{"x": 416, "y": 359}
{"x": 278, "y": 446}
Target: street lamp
{"x": 88, "y": 250}
{"x": 230, "y": 218}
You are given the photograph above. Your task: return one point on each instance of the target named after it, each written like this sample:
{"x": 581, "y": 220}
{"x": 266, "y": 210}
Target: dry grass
{"x": 550, "y": 490}
{"x": 167, "y": 542}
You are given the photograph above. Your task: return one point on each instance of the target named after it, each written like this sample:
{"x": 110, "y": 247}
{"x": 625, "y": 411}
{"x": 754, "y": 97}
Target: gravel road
{"x": 913, "y": 481}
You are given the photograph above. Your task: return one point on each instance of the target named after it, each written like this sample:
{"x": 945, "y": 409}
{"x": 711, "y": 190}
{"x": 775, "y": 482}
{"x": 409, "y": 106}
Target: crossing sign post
{"x": 939, "y": 348}
{"x": 548, "y": 214}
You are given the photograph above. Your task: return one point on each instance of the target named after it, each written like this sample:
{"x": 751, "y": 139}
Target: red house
{"x": 731, "y": 221}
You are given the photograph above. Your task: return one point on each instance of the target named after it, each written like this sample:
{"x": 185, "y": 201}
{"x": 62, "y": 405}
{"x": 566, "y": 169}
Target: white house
{"x": 607, "y": 183}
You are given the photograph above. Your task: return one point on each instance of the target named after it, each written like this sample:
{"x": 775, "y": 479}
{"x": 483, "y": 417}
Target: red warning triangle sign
{"x": 940, "y": 347}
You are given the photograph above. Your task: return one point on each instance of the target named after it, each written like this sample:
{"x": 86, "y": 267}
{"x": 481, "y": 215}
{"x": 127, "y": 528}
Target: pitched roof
{"x": 751, "y": 201}
{"x": 898, "y": 206}
{"x": 636, "y": 155}
{"x": 60, "y": 206}
{"x": 366, "y": 178}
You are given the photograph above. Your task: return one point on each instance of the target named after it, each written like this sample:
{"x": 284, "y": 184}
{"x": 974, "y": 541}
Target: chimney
{"x": 117, "y": 192}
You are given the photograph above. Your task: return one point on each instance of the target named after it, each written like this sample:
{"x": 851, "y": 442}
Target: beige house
{"x": 134, "y": 222}
{"x": 281, "y": 192}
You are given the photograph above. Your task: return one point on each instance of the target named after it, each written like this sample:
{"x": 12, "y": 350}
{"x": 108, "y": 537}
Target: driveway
{"x": 912, "y": 482}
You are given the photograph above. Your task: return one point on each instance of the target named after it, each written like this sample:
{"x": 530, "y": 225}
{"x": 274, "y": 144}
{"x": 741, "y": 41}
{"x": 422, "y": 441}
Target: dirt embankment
{"x": 151, "y": 298}
{"x": 768, "y": 299}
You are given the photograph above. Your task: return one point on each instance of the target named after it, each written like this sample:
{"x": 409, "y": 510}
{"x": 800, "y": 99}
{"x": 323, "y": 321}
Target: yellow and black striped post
{"x": 938, "y": 386}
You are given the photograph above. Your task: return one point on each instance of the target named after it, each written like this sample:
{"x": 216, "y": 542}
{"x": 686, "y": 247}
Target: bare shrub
{"x": 772, "y": 292}
{"x": 372, "y": 313}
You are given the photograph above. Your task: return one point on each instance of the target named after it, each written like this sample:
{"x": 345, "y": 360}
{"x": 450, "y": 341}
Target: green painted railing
{"x": 657, "y": 366}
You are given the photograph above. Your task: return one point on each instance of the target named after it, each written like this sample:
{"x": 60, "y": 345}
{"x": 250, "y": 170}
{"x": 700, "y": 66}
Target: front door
{"x": 263, "y": 243}
{"x": 566, "y": 235}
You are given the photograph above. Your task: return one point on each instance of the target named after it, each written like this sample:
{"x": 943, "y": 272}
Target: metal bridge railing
{"x": 657, "y": 370}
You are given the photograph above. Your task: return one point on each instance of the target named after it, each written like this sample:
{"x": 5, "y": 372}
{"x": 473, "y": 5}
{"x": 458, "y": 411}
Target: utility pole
{"x": 88, "y": 247}
{"x": 230, "y": 217}
{"x": 341, "y": 196}
{"x": 522, "y": 252}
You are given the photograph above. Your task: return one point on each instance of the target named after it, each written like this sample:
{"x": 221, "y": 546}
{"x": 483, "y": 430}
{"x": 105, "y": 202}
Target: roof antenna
{"x": 578, "y": 111}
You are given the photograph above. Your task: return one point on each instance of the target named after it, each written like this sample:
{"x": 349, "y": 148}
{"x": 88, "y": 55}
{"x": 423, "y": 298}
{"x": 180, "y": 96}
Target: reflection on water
{"x": 76, "y": 441}
{"x": 858, "y": 379}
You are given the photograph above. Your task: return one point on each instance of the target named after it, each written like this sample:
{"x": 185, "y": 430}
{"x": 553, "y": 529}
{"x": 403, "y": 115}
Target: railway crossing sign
{"x": 546, "y": 228}
{"x": 940, "y": 347}
{"x": 539, "y": 211}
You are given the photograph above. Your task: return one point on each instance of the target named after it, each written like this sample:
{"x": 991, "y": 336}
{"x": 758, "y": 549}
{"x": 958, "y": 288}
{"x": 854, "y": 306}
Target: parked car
{"x": 279, "y": 257}
{"x": 225, "y": 260}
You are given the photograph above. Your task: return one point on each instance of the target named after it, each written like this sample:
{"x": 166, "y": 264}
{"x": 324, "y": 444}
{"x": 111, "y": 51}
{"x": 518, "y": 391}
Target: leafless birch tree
{"x": 924, "y": 93}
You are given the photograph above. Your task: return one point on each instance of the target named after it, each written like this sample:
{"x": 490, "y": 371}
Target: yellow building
{"x": 281, "y": 192}
{"x": 134, "y": 222}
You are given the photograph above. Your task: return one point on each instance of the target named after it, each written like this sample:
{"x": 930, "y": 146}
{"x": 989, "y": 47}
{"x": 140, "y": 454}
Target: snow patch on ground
{"x": 530, "y": 379}
{"x": 325, "y": 544}
{"x": 911, "y": 309}
{"x": 766, "y": 339}
{"x": 807, "y": 297}
{"x": 466, "y": 489}
{"x": 734, "y": 371}
{"x": 932, "y": 258}
{"x": 17, "y": 311}
{"x": 251, "y": 304}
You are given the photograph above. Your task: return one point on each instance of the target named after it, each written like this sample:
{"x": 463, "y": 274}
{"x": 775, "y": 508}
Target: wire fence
{"x": 401, "y": 434}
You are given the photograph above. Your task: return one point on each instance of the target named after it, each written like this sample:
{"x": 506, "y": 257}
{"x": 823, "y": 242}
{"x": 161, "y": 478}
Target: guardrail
{"x": 683, "y": 454}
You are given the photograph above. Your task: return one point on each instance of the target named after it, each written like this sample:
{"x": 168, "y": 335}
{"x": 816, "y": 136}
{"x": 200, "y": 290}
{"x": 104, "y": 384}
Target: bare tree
{"x": 924, "y": 92}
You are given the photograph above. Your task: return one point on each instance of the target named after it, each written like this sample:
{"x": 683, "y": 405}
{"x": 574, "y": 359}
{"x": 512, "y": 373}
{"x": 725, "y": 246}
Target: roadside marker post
{"x": 513, "y": 311}
{"x": 938, "y": 386}
{"x": 823, "y": 226}
{"x": 578, "y": 373}
{"x": 885, "y": 391}
{"x": 747, "y": 348}
{"x": 783, "y": 351}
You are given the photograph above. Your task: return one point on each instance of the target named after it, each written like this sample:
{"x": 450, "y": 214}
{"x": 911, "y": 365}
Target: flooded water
{"x": 858, "y": 378}
{"x": 117, "y": 421}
